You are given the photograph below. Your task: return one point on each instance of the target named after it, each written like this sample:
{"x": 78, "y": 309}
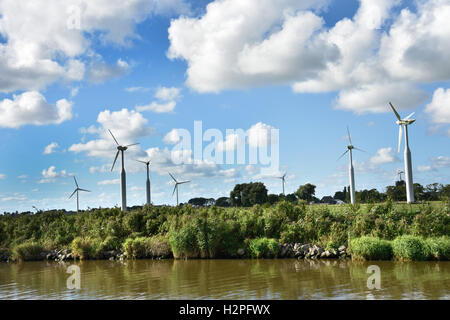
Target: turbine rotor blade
{"x": 84, "y": 190}
{"x": 173, "y": 178}
{"x": 400, "y": 135}
{"x": 395, "y": 111}
{"x": 141, "y": 161}
{"x": 183, "y": 182}
{"x": 343, "y": 154}
{"x": 130, "y": 145}
{"x": 174, "y": 189}
{"x": 113, "y": 137}
{"x": 73, "y": 193}
{"x": 359, "y": 149}
{"x": 349, "y": 136}
{"x": 407, "y": 118}
{"x": 76, "y": 183}
{"x": 115, "y": 159}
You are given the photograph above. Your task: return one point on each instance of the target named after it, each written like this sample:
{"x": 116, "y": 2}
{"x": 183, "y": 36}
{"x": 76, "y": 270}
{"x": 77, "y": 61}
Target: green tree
{"x": 306, "y": 192}
{"x": 248, "y": 194}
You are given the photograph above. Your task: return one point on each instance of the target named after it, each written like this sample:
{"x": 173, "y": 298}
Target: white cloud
{"x": 127, "y": 126}
{"x": 375, "y": 57}
{"x": 158, "y": 107}
{"x": 259, "y": 135}
{"x": 221, "y": 46}
{"x": 108, "y": 182}
{"x": 384, "y": 155}
{"x": 167, "y": 97}
{"x": 51, "y": 148}
{"x": 173, "y": 137}
{"x": 424, "y": 168}
{"x": 2, "y": 176}
{"x": 101, "y": 72}
{"x": 441, "y": 162}
{"x": 32, "y": 108}
{"x": 168, "y": 94}
{"x": 47, "y": 40}
{"x": 439, "y": 107}
{"x": 51, "y": 174}
{"x": 23, "y": 176}
{"x": 136, "y": 89}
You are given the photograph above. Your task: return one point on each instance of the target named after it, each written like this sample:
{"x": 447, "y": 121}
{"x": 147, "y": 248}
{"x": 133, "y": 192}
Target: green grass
{"x": 263, "y": 248}
{"x": 439, "y": 248}
{"x": 410, "y": 248}
{"x": 29, "y": 251}
{"x": 370, "y": 248}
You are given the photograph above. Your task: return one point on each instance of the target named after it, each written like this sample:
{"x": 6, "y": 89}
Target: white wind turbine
{"x": 76, "y": 191}
{"x": 176, "y": 185}
{"x": 350, "y": 148}
{"x": 407, "y": 155}
{"x": 399, "y": 173}
{"x": 147, "y": 163}
{"x": 123, "y": 183}
{"x": 283, "y": 181}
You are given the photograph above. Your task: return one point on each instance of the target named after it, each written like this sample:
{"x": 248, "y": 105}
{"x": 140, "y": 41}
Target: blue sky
{"x": 306, "y": 68}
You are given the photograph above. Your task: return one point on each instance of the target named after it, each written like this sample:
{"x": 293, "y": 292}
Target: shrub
{"x": 135, "y": 248}
{"x": 28, "y": 251}
{"x": 85, "y": 248}
{"x": 370, "y": 248}
{"x": 159, "y": 247}
{"x": 439, "y": 248}
{"x": 263, "y": 248}
{"x": 410, "y": 248}
{"x": 110, "y": 243}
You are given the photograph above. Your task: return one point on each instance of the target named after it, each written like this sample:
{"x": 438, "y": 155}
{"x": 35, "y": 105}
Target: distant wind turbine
{"x": 123, "y": 183}
{"x": 176, "y": 185}
{"x": 350, "y": 147}
{"x": 147, "y": 163}
{"x": 283, "y": 181}
{"x": 399, "y": 173}
{"x": 76, "y": 191}
{"x": 407, "y": 155}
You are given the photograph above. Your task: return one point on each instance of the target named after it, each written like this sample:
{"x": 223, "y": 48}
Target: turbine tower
{"x": 123, "y": 183}
{"x": 283, "y": 181}
{"x": 407, "y": 155}
{"x": 147, "y": 163}
{"x": 176, "y": 185}
{"x": 77, "y": 191}
{"x": 351, "y": 171}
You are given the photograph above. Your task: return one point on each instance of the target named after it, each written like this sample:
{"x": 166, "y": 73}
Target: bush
{"x": 410, "y": 248}
{"x": 142, "y": 247}
{"x": 439, "y": 248}
{"x": 85, "y": 248}
{"x": 370, "y": 248}
{"x": 135, "y": 248}
{"x": 29, "y": 251}
{"x": 263, "y": 248}
{"x": 110, "y": 243}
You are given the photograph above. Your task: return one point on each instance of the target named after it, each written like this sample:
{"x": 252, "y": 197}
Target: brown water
{"x": 225, "y": 279}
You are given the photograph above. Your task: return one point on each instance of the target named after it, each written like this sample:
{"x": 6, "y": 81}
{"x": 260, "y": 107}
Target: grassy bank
{"x": 214, "y": 232}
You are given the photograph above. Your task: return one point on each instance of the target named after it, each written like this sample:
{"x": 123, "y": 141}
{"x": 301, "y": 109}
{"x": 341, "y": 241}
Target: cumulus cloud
{"x": 384, "y": 155}
{"x": 101, "y": 72}
{"x": 51, "y": 174}
{"x": 127, "y": 126}
{"x": 47, "y": 40}
{"x": 372, "y": 58}
{"x": 173, "y": 137}
{"x": 260, "y": 135}
{"x": 167, "y": 97}
{"x": 439, "y": 107}
{"x": 51, "y": 148}
{"x": 32, "y": 108}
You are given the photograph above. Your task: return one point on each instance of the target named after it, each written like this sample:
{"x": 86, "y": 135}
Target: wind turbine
{"x": 77, "y": 191}
{"x": 176, "y": 185}
{"x": 123, "y": 183}
{"x": 147, "y": 163}
{"x": 399, "y": 173}
{"x": 351, "y": 172}
{"x": 407, "y": 155}
{"x": 283, "y": 181}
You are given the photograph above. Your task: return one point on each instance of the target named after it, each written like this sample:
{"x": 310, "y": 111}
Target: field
{"x": 187, "y": 232}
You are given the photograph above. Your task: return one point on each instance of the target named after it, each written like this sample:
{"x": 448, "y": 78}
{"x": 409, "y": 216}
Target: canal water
{"x": 225, "y": 279}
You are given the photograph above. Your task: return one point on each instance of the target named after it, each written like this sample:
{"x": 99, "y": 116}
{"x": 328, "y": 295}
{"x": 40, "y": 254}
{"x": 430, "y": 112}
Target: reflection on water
{"x": 225, "y": 279}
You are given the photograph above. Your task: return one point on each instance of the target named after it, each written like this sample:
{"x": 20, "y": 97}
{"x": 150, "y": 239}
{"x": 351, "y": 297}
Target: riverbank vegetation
{"x": 371, "y": 231}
